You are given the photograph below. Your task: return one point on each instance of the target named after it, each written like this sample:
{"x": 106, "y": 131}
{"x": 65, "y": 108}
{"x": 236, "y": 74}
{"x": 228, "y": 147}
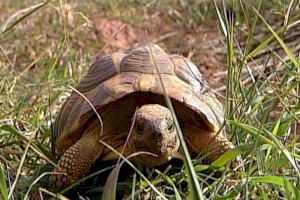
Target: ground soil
{"x": 202, "y": 45}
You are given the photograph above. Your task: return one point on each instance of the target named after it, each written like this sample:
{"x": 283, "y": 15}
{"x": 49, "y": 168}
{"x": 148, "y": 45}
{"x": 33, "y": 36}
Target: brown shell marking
{"x": 102, "y": 69}
{"x": 139, "y": 60}
{"x": 187, "y": 71}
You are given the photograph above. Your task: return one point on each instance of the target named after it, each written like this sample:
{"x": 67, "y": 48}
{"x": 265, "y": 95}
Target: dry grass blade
{"x": 287, "y": 16}
{"x": 283, "y": 45}
{"x": 223, "y": 26}
{"x": 34, "y": 182}
{"x": 92, "y": 106}
{"x": 14, "y": 20}
{"x": 19, "y": 171}
{"x": 57, "y": 196}
{"x": 129, "y": 134}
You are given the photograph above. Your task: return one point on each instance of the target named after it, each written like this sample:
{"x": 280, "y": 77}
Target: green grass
{"x": 43, "y": 56}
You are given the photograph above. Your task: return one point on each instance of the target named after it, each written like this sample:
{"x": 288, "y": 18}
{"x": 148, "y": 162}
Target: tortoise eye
{"x": 170, "y": 127}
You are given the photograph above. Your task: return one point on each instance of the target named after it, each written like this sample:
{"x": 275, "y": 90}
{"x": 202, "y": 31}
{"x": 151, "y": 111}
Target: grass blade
{"x": 170, "y": 182}
{"x": 283, "y": 45}
{"x": 194, "y": 186}
{"x": 133, "y": 186}
{"x": 274, "y": 132}
{"x": 252, "y": 131}
{"x": 275, "y": 142}
{"x": 19, "y": 171}
{"x": 285, "y": 151}
{"x": 273, "y": 180}
{"x": 110, "y": 188}
{"x": 12, "y": 20}
{"x": 133, "y": 167}
{"x": 232, "y": 153}
{"x": 3, "y": 188}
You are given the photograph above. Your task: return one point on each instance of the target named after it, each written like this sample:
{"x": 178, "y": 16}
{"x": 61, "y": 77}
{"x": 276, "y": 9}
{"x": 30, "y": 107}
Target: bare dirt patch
{"x": 202, "y": 46}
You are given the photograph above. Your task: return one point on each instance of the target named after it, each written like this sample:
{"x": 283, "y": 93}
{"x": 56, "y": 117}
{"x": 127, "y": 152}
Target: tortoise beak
{"x": 178, "y": 155}
{"x": 170, "y": 144}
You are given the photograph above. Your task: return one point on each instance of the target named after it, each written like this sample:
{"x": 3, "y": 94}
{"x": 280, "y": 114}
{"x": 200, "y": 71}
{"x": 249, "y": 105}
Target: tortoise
{"x": 126, "y": 91}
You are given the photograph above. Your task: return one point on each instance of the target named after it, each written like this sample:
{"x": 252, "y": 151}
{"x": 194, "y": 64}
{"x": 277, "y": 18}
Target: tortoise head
{"x": 154, "y": 132}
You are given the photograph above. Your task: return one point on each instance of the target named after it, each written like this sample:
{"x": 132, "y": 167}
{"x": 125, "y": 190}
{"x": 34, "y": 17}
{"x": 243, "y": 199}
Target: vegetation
{"x": 47, "y": 46}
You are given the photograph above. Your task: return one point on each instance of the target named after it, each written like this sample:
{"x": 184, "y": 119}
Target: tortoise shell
{"x": 134, "y": 73}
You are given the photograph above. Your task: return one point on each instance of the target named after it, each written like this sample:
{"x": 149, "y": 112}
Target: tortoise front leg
{"x": 211, "y": 146}
{"x": 76, "y": 161}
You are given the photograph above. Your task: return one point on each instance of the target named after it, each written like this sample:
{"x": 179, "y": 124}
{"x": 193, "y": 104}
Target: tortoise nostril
{"x": 156, "y": 135}
{"x": 173, "y": 139}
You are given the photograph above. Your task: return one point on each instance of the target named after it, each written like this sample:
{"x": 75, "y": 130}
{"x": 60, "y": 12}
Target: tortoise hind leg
{"x": 76, "y": 161}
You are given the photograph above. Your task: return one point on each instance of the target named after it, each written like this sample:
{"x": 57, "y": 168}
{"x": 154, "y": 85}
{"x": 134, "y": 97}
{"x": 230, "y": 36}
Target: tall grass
{"x": 260, "y": 112}
{"x": 42, "y": 57}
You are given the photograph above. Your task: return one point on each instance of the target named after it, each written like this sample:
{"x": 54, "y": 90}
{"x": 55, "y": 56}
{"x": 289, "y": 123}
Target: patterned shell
{"x": 115, "y": 76}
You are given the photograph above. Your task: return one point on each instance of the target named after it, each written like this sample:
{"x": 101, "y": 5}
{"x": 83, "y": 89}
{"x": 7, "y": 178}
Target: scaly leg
{"x": 76, "y": 161}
